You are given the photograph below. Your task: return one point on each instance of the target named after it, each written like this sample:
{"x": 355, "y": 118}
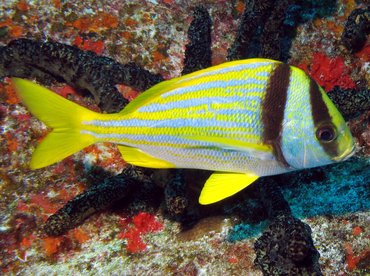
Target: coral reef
{"x": 336, "y": 209}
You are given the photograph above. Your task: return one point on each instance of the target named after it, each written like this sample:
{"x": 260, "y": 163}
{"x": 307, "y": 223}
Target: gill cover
{"x": 314, "y": 132}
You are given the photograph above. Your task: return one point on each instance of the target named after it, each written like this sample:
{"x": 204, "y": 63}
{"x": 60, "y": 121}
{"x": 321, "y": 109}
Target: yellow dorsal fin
{"x": 139, "y": 158}
{"x": 149, "y": 95}
{"x": 221, "y": 185}
{"x": 167, "y": 85}
{"x": 62, "y": 115}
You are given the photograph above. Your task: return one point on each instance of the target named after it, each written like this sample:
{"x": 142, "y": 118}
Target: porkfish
{"x": 242, "y": 119}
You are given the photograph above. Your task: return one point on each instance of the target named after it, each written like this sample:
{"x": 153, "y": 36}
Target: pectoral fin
{"x": 261, "y": 151}
{"x": 221, "y": 185}
{"x": 139, "y": 158}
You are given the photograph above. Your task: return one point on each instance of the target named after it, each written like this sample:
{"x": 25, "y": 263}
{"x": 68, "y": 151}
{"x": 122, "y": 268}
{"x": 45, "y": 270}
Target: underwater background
{"x": 152, "y": 229}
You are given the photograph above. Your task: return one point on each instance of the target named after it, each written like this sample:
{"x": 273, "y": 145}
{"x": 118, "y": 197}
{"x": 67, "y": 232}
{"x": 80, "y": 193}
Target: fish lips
{"x": 346, "y": 154}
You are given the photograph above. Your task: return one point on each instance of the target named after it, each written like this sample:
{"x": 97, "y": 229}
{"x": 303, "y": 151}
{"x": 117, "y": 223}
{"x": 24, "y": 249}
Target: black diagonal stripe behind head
{"x": 320, "y": 114}
{"x": 273, "y": 107}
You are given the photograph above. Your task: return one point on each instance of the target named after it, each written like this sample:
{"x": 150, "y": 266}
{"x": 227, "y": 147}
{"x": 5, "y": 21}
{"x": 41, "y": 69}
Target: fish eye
{"x": 326, "y": 133}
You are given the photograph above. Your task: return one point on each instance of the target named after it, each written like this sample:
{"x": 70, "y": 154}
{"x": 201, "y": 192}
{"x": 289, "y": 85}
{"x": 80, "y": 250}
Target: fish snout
{"x": 346, "y": 154}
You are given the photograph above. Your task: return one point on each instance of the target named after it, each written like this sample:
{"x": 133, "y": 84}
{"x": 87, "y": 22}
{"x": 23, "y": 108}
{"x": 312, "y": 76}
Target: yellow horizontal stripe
{"x": 183, "y": 131}
{"x": 233, "y": 91}
{"x": 204, "y": 111}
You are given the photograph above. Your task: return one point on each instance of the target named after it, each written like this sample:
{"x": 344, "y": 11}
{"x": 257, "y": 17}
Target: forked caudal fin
{"x": 60, "y": 114}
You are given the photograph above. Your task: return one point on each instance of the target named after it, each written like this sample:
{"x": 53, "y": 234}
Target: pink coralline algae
{"x": 329, "y": 72}
{"x": 142, "y": 223}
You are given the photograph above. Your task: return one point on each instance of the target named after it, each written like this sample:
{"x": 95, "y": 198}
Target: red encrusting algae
{"x": 350, "y": 258}
{"x": 65, "y": 90}
{"x": 96, "y": 46}
{"x": 97, "y": 23}
{"x": 7, "y": 91}
{"x": 22, "y": 6}
{"x": 127, "y": 92}
{"x": 142, "y": 223}
{"x": 12, "y": 143}
{"x": 51, "y": 245}
{"x": 14, "y": 30}
{"x": 357, "y": 230}
{"x": 364, "y": 53}
{"x": 329, "y": 72}
{"x": 44, "y": 202}
{"x": 80, "y": 235}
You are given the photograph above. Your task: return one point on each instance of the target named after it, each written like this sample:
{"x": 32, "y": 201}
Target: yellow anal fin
{"x": 139, "y": 158}
{"x": 221, "y": 185}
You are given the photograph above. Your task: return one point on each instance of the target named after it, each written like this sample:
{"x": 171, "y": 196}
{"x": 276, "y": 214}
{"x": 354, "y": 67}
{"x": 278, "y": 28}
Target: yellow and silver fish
{"x": 242, "y": 119}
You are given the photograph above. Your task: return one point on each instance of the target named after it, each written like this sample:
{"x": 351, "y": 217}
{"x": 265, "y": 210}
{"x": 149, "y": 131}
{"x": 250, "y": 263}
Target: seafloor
{"x": 153, "y": 34}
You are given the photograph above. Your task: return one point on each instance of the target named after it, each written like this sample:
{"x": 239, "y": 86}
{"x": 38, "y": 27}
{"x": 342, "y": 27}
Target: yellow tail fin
{"x": 63, "y": 116}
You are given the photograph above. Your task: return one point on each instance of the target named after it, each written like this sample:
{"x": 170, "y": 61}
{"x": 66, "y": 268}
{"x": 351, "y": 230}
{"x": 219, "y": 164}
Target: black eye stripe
{"x": 320, "y": 113}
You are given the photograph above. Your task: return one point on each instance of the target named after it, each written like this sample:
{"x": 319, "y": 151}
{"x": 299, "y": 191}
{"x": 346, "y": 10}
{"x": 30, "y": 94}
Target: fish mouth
{"x": 346, "y": 154}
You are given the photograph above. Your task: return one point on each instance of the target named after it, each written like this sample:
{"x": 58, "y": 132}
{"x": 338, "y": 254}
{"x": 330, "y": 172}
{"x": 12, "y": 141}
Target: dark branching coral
{"x": 273, "y": 31}
{"x": 286, "y": 247}
{"x": 175, "y": 194}
{"x": 93, "y": 200}
{"x": 198, "y": 53}
{"x": 255, "y": 14}
{"x": 198, "y": 56}
{"x": 85, "y": 71}
{"x": 268, "y": 27}
{"x": 356, "y": 29}
{"x": 350, "y": 102}
{"x": 272, "y": 198}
